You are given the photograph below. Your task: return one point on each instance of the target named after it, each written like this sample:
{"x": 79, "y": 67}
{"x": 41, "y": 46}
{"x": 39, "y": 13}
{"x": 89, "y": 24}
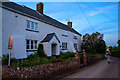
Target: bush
{"x": 33, "y": 56}
{"x": 34, "y": 62}
{"x": 115, "y": 51}
{"x": 71, "y": 58}
{"x": 54, "y": 60}
{"x": 90, "y": 57}
{"x": 5, "y": 59}
{"x": 40, "y": 51}
{"x": 67, "y": 55}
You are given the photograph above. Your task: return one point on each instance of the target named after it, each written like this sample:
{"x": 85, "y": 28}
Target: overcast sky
{"x": 87, "y": 17}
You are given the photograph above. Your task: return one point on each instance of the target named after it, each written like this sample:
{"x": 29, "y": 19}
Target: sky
{"x": 87, "y": 17}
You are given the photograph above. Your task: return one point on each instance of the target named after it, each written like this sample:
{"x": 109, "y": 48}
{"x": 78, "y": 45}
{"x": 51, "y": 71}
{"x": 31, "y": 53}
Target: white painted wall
{"x": 14, "y": 26}
{"x": 17, "y": 26}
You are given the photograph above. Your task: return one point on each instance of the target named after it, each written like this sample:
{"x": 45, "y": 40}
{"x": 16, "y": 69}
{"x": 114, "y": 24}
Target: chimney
{"x": 40, "y": 7}
{"x": 69, "y": 23}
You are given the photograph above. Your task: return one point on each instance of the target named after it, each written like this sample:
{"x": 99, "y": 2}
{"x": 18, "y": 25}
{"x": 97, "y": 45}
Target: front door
{"x": 54, "y": 49}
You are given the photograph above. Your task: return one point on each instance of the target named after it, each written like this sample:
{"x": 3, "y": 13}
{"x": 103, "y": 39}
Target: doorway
{"x": 54, "y": 49}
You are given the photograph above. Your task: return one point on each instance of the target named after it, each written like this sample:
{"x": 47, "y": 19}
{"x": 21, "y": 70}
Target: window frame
{"x": 30, "y": 44}
{"x": 28, "y": 24}
{"x": 64, "y": 46}
{"x": 64, "y": 33}
{"x": 75, "y": 46}
{"x": 33, "y": 26}
{"x": 75, "y": 36}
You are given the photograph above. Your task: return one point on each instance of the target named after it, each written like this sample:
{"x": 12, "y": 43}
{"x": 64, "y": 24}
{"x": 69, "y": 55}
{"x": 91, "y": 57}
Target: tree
{"x": 118, "y": 43}
{"x": 40, "y": 51}
{"x": 110, "y": 48}
{"x": 94, "y": 43}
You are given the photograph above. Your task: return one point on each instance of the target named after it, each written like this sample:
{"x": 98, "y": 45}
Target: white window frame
{"x": 29, "y": 25}
{"x": 30, "y": 44}
{"x": 64, "y": 45}
{"x": 64, "y": 33}
{"x": 36, "y": 26}
{"x": 75, "y": 36}
{"x": 32, "y": 25}
{"x": 75, "y": 46}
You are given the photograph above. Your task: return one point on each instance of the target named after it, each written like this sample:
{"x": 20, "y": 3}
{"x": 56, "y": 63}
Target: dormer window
{"x": 64, "y": 33}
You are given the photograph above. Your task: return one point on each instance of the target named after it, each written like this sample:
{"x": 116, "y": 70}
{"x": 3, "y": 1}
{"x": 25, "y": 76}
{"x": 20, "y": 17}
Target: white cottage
{"x": 31, "y": 27}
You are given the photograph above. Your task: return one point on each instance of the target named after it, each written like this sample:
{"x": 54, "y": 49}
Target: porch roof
{"x": 49, "y": 37}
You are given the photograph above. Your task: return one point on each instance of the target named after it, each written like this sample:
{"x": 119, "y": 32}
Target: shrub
{"x": 33, "y": 56}
{"x": 15, "y": 63}
{"x": 94, "y": 43}
{"x": 90, "y": 57}
{"x": 44, "y": 61}
{"x": 40, "y": 51}
{"x": 5, "y": 59}
{"x": 54, "y": 60}
{"x": 32, "y": 60}
{"x": 71, "y": 58}
{"x": 67, "y": 55}
{"x": 115, "y": 51}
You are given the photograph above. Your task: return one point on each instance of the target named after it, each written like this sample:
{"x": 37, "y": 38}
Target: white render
{"x": 16, "y": 26}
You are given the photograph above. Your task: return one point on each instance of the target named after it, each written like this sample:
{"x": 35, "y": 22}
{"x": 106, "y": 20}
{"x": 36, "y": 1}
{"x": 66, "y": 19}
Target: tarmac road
{"x": 99, "y": 70}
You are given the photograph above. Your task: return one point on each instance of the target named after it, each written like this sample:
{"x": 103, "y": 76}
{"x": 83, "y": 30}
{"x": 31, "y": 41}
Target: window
{"x": 28, "y": 24}
{"x": 64, "y": 46}
{"x": 36, "y": 26}
{"x": 75, "y": 36}
{"x": 75, "y": 46}
{"x": 35, "y": 44}
{"x": 64, "y": 32}
{"x": 31, "y": 44}
{"x": 32, "y": 26}
{"x": 27, "y": 44}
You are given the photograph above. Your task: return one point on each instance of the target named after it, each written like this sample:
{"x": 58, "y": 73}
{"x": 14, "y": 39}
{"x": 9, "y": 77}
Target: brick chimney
{"x": 69, "y": 23}
{"x": 40, "y": 7}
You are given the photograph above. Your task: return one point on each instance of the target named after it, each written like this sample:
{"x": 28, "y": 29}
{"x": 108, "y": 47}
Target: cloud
{"x": 95, "y": 13}
{"x": 101, "y": 10}
{"x": 108, "y": 7}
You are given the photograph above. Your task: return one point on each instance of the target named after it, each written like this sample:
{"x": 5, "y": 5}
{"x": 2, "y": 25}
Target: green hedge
{"x": 67, "y": 55}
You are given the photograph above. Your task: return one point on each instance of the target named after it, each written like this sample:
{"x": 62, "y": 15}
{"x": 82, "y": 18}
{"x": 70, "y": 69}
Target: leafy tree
{"x": 94, "y": 43}
{"x": 110, "y": 48}
{"x": 118, "y": 43}
{"x": 40, "y": 51}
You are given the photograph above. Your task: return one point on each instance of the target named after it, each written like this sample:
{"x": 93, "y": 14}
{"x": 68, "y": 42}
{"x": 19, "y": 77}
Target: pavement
{"x": 101, "y": 69}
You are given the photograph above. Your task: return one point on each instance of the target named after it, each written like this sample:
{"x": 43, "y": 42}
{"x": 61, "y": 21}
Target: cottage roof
{"x": 21, "y": 9}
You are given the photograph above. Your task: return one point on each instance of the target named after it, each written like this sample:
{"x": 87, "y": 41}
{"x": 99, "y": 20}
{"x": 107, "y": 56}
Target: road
{"x": 99, "y": 70}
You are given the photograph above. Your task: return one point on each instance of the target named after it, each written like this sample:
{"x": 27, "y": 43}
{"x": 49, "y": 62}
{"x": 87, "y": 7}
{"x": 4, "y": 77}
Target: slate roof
{"x": 49, "y": 37}
{"x": 35, "y": 14}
